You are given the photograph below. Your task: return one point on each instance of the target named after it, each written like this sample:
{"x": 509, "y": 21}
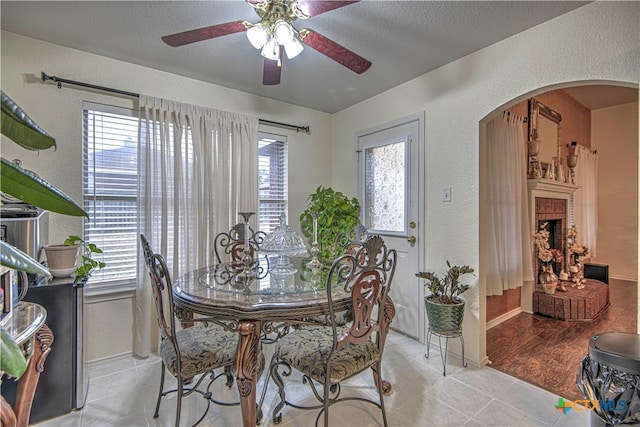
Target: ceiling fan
{"x": 274, "y": 35}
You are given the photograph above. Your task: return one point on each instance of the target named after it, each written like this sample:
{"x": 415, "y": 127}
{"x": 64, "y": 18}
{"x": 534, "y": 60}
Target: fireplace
{"x": 548, "y": 202}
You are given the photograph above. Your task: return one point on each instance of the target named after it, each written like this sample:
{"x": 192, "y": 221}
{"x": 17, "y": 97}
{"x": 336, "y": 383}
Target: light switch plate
{"x": 446, "y": 194}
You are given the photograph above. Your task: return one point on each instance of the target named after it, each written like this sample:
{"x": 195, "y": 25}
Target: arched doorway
{"x": 546, "y": 351}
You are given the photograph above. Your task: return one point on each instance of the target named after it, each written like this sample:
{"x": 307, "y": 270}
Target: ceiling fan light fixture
{"x": 258, "y": 36}
{"x": 293, "y": 48}
{"x": 283, "y": 32}
{"x": 271, "y": 50}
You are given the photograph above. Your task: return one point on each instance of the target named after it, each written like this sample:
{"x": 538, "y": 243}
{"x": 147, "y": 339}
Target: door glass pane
{"x": 385, "y": 187}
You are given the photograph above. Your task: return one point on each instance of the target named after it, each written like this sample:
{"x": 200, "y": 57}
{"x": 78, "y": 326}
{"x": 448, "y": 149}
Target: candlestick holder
{"x": 248, "y": 273}
{"x": 314, "y": 266}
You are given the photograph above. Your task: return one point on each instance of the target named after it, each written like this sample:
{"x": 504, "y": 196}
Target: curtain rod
{"x": 524, "y": 119}
{"x": 575, "y": 143}
{"x": 60, "y": 80}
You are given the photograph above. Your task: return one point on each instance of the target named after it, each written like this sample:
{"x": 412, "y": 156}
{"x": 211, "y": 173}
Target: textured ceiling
{"x": 403, "y": 39}
{"x": 602, "y": 96}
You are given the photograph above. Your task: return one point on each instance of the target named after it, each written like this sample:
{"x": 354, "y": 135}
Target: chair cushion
{"x": 342, "y": 318}
{"x": 202, "y": 349}
{"x": 307, "y": 350}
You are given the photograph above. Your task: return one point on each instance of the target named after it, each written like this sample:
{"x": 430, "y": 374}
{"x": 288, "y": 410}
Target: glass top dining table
{"x": 252, "y": 305}
{"x": 223, "y": 291}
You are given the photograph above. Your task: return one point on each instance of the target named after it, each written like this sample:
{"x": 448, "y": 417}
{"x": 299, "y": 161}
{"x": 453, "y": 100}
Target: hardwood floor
{"x": 547, "y": 352}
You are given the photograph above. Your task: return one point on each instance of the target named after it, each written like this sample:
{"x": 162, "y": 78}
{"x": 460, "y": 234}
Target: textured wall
{"x": 615, "y": 137}
{"x": 598, "y": 42}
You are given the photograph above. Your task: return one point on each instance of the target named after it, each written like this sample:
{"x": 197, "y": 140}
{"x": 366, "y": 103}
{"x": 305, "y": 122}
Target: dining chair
{"x": 328, "y": 355}
{"x": 229, "y": 247}
{"x": 346, "y": 242}
{"x": 191, "y": 352}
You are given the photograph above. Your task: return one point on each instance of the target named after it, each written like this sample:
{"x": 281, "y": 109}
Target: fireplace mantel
{"x": 547, "y": 185}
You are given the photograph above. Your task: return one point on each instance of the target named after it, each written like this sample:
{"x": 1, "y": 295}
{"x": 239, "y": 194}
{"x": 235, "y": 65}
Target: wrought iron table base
{"x": 443, "y": 355}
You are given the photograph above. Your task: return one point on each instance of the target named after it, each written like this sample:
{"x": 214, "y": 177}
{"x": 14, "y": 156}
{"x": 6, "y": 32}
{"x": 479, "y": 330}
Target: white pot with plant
{"x": 74, "y": 257}
{"x": 61, "y": 259}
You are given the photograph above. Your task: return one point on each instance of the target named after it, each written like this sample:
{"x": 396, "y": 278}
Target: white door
{"x": 389, "y": 189}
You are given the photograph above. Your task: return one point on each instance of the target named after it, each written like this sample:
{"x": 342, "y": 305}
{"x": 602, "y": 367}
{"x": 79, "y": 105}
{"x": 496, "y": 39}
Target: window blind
{"x": 272, "y": 180}
{"x": 110, "y": 185}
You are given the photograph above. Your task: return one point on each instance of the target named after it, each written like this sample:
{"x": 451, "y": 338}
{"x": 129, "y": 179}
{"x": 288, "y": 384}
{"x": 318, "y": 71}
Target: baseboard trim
{"x": 623, "y": 278}
{"x": 504, "y": 317}
{"x": 108, "y": 359}
{"x": 484, "y": 362}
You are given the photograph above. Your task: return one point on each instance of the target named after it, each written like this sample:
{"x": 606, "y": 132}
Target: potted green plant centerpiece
{"x": 445, "y": 308}
{"x": 336, "y": 214}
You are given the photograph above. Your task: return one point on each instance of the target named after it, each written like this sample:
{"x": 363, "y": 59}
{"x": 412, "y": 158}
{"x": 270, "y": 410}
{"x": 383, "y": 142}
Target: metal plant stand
{"x": 443, "y": 355}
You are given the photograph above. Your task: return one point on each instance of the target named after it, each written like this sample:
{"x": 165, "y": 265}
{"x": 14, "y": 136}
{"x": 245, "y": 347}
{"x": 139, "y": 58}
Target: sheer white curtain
{"x": 507, "y": 243}
{"x": 198, "y": 168}
{"x": 585, "y": 199}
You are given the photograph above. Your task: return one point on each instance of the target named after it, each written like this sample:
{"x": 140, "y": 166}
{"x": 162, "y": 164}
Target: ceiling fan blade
{"x": 333, "y": 50}
{"x": 205, "y": 33}
{"x": 316, "y": 7}
{"x": 271, "y": 72}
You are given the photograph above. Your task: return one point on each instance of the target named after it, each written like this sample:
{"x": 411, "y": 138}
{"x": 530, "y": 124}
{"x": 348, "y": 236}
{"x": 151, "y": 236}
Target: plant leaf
{"x": 21, "y": 129}
{"x": 12, "y": 362}
{"x": 13, "y": 257}
{"x": 32, "y": 189}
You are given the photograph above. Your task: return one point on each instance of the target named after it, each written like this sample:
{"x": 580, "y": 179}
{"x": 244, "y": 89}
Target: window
{"x": 110, "y": 187}
{"x": 272, "y": 180}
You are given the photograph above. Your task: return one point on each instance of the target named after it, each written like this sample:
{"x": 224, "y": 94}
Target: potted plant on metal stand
{"x": 444, "y": 306}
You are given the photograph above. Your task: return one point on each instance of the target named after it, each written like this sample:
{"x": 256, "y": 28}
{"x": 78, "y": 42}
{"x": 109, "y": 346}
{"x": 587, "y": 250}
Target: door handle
{"x": 411, "y": 240}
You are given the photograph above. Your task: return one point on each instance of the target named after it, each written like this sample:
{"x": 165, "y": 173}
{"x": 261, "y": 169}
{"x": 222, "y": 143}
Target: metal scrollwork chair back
{"x": 229, "y": 250}
{"x": 189, "y": 352}
{"x": 328, "y": 355}
{"x": 346, "y": 242}
{"x": 230, "y": 246}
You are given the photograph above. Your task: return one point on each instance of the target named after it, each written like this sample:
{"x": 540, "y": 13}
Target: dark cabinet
{"x": 63, "y": 384}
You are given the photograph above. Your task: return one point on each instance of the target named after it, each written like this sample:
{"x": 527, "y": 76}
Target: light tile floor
{"x": 122, "y": 392}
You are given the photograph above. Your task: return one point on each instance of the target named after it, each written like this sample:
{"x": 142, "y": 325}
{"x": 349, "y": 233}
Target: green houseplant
{"x": 28, "y": 187}
{"x": 336, "y": 214}
{"x": 445, "y": 308}
{"x": 84, "y": 271}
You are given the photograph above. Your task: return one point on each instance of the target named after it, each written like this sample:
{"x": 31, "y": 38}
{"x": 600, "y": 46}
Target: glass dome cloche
{"x": 284, "y": 242}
